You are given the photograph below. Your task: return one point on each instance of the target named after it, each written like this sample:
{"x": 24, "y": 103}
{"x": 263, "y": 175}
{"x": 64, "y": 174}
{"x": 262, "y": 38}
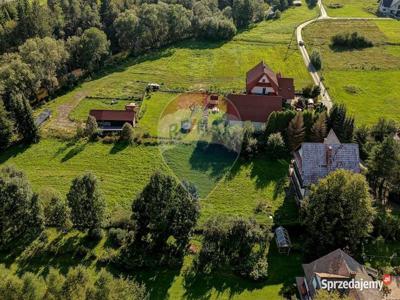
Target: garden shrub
{"x": 276, "y": 147}
{"x": 350, "y": 41}
{"x": 117, "y": 236}
{"x": 96, "y": 234}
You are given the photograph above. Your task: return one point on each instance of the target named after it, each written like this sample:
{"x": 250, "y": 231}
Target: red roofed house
{"x": 265, "y": 93}
{"x": 114, "y": 120}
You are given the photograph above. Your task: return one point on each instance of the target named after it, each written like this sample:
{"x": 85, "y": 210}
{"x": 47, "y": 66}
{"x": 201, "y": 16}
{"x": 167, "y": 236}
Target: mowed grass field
{"x": 124, "y": 170}
{"x": 365, "y": 80}
{"x": 352, "y": 8}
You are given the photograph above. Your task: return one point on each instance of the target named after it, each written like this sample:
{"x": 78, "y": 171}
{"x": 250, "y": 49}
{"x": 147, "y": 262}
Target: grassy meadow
{"x": 352, "y": 8}
{"x": 365, "y": 80}
{"x": 124, "y": 170}
{"x": 227, "y": 186}
{"x": 192, "y": 65}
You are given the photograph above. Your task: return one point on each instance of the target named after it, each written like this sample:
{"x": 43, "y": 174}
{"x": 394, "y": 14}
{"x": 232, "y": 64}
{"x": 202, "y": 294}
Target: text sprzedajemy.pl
{"x": 357, "y": 284}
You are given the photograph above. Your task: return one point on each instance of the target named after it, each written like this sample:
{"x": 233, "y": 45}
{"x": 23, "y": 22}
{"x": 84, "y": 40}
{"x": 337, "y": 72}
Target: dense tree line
{"x": 310, "y": 126}
{"x": 77, "y": 284}
{"x": 129, "y": 25}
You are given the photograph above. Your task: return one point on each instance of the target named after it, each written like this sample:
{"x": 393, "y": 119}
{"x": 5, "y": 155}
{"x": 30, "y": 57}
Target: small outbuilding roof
{"x": 282, "y": 237}
{"x": 113, "y": 115}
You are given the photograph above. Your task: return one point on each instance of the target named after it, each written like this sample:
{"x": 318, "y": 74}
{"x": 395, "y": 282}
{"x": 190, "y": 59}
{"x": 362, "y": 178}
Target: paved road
{"x": 326, "y": 99}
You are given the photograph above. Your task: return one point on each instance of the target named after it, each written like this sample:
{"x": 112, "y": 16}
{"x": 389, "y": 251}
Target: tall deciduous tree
{"x": 243, "y": 11}
{"x": 57, "y": 213}
{"x": 86, "y": 202}
{"x": 94, "y": 48}
{"x": 16, "y": 77}
{"x": 126, "y": 28}
{"x": 296, "y": 132}
{"x": 19, "y": 211}
{"x": 164, "y": 214}
{"x": 338, "y": 213}
{"x": 47, "y": 58}
{"x": 127, "y": 133}
{"x": 91, "y": 129}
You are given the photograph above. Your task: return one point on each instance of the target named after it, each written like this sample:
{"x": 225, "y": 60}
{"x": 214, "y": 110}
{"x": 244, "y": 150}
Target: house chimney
{"x": 130, "y": 106}
{"x": 353, "y": 274}
{"x": 329, "y": 156}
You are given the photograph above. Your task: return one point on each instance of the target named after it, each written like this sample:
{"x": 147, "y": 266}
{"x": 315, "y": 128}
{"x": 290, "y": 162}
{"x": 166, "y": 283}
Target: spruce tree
{"x": 341, "y": 124}
{"x": 296, "y": 132}
{"x": 319, "y": 129}
{"x": 6, "y": 128}
{"x": 24, "y": 120}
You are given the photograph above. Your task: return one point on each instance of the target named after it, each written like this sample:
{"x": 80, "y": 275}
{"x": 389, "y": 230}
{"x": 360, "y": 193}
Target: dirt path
{"x": 62, "y": 120}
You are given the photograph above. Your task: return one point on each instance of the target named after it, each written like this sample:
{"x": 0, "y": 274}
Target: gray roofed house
{"x": 390, "y": 8}
{"x": 337, "y": 266}
{"x": 313, "y": 161}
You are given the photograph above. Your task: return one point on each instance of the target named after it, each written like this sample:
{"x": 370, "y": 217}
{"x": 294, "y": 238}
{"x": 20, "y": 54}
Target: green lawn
{"x": 152, "y": 109}
{"x": 124, "y": 170}
{"x": 81, "y": 112}
{"x": 365, "y": 80}
{"x": 352, "y": 8}
{"x": 200, "y": 163}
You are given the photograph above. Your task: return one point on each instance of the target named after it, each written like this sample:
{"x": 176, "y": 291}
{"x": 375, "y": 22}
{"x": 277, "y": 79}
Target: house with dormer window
{"x": 266, "y": 91}
{"x": 313, "y": 161}
{"x": 336, "y": 266}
